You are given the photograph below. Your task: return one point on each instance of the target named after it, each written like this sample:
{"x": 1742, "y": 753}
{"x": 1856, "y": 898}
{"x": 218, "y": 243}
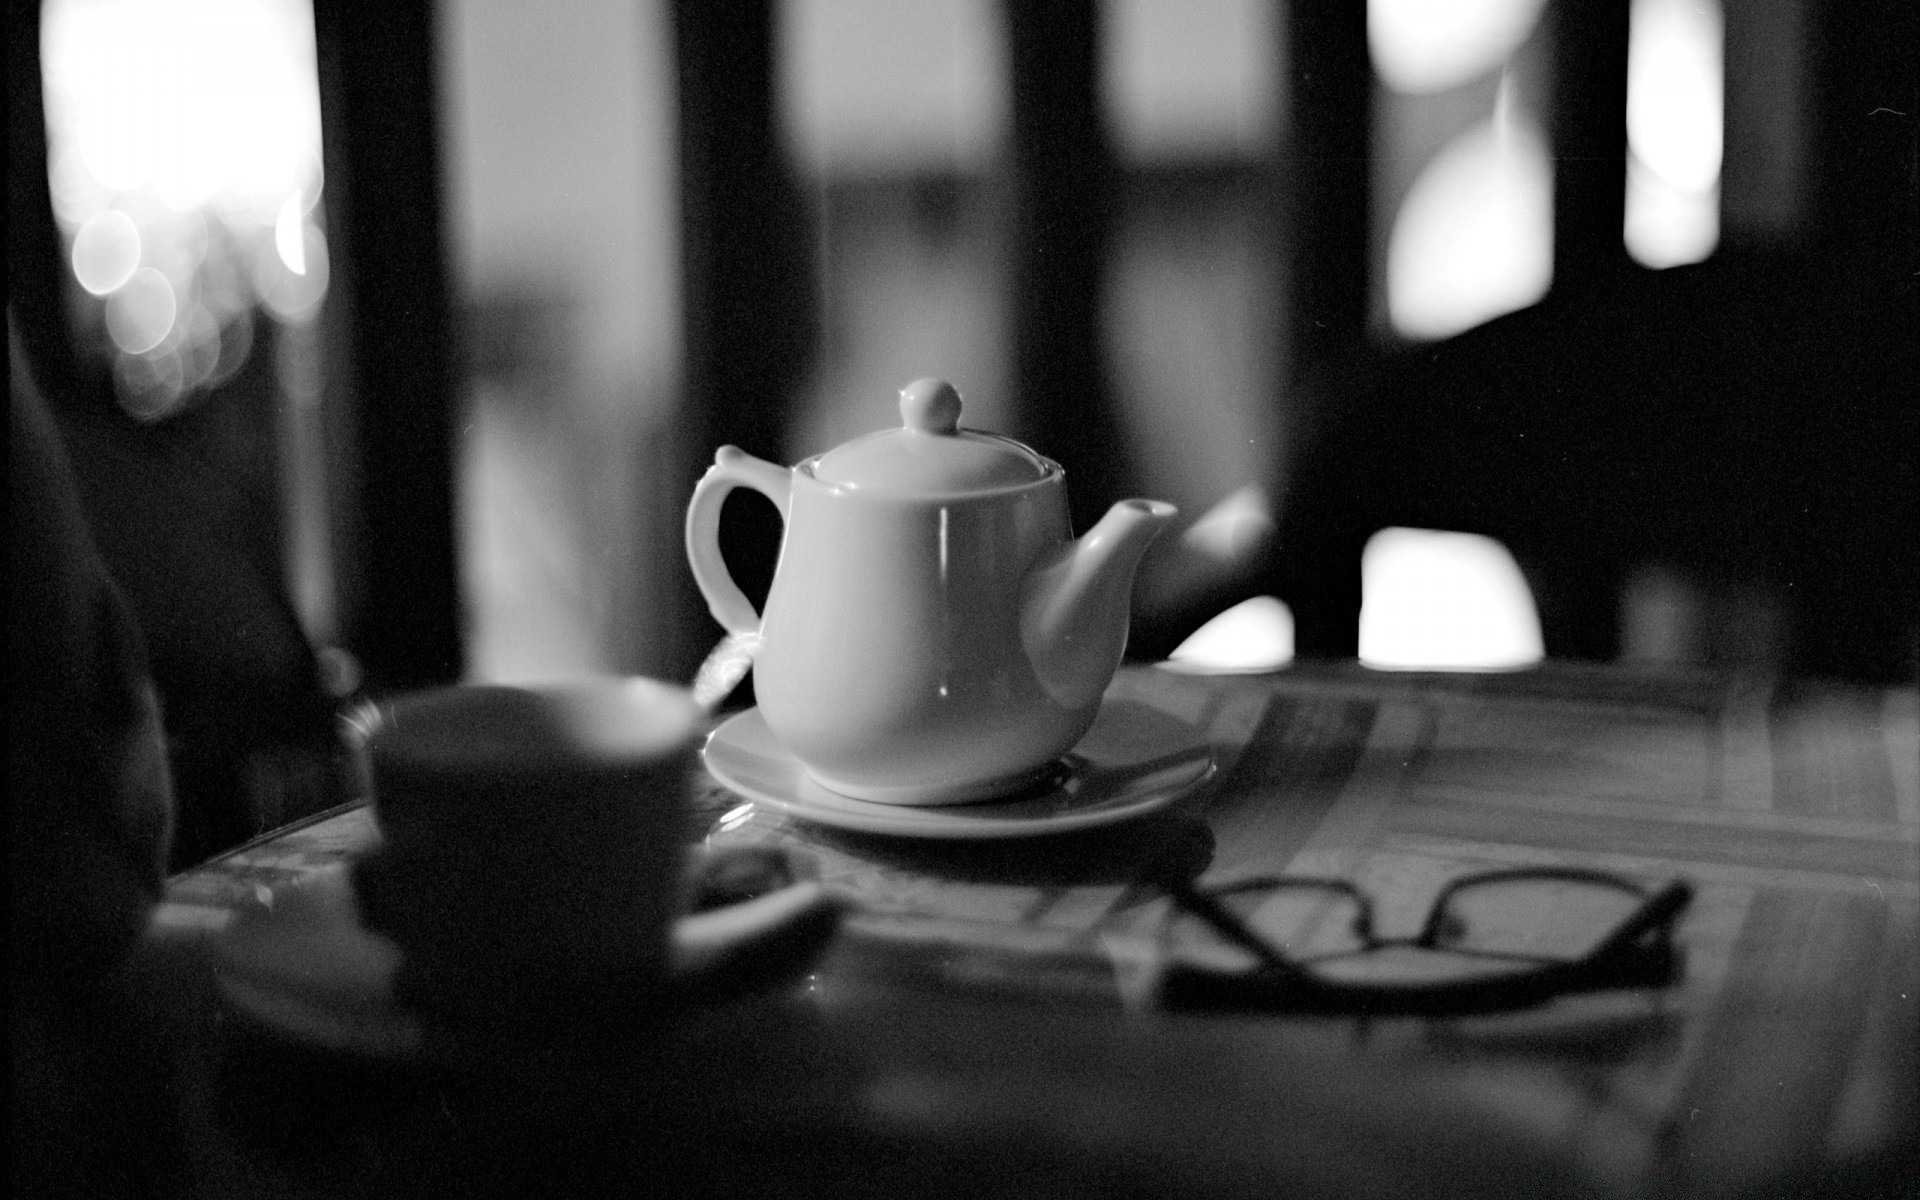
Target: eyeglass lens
{"x": 1541, "y": 918}
{"x": 1302, "y": 919}
{"x": 1530, "y": 916}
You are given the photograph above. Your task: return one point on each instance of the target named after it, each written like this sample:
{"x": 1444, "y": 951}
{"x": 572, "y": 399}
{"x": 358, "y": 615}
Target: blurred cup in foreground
{"x": 530, "y": 845}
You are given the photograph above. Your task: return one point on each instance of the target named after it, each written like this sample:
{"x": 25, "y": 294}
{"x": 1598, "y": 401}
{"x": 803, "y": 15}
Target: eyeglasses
{"x": 1493, "y": 941}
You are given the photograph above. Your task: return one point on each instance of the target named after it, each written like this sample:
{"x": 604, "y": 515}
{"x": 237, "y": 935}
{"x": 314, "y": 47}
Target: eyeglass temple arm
{"x": 1231, "y": 927}
{"x": 1658, "y": 912}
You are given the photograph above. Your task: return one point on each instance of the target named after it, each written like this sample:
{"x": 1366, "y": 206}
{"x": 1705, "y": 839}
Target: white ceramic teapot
{"x": 933, "y": 635}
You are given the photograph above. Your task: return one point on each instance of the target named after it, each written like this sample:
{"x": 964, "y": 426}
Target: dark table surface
{"x": 985, "y": 1021}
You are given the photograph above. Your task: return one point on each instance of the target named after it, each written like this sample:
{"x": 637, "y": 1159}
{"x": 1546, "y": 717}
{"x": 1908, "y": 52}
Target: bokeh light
{"x": 183, "y": 146}
{"x": 1668, "y": 226}
{"x": 151, "y": 384}
{"x": 206, "y": 101}
{"x": 1254, "y": 635}
{"x": 106, "y": 251}
{"x": 1675, "y": 130}
{"x": 1230, "y": 530}
{"x": 1674, "y": 106}
{"x": 1422, "y": 46}
{"x": 1440, "y": 601}
{"x": 140, "y": 312}
{"x": 292, "y": 295}
{"x": 236, "y": 346}
{"x": 1474, "y": 237}
{"x": 196, "y": 338}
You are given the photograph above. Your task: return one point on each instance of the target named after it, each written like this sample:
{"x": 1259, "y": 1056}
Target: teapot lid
{"x": 930, "y": 454}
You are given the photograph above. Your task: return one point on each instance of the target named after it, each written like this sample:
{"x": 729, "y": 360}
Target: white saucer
{"x": 303, "y": 965}
{"x": 1135, "y": 760}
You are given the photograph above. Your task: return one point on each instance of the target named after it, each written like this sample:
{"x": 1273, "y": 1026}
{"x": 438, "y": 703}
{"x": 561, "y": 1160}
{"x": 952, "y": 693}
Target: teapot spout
{"x": 1074, "y": 609}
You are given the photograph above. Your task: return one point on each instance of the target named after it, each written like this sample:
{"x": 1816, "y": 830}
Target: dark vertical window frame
{"x": 1588, "y": 133}
{"x": 391, "y": 381}
{"x": 750, "y": 294}
{"x": 1065, "y": 196}
{"x": 1330, "y": 135}
{"x": 1315, "y": 566}
{"x": 36, "y": 262}
{"x": 1859, "y": 424}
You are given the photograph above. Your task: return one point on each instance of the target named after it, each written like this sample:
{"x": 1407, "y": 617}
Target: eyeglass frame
{"x": 1639, "y": 952}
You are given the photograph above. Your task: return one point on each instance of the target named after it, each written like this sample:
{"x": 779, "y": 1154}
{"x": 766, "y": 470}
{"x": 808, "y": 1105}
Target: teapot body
{"x": 891, "y": 662}
{"x": 934, "y": 634}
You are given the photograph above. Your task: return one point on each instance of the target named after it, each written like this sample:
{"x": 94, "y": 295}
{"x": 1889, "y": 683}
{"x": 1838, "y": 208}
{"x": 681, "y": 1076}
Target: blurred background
{"x": 1462, "y": 334}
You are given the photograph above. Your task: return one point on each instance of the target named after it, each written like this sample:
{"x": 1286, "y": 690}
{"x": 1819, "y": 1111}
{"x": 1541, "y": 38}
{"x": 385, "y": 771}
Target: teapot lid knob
{"x": 930, "y": 406}
{"x": 928, "y": 454}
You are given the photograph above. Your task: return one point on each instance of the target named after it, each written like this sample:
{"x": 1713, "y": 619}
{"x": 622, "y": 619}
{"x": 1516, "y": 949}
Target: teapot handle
{"x": 732, "y": 467}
